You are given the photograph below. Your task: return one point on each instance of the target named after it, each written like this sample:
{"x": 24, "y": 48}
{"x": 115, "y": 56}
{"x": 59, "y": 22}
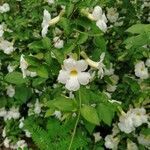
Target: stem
{"x": 77, "y": 121}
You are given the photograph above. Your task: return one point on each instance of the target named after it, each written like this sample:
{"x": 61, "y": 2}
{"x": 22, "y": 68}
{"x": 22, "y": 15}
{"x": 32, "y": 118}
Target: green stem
{"x": 76, "y": 124}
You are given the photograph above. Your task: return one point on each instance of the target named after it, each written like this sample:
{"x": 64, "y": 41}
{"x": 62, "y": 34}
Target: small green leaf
{"x": 90, "y": 114}
{"x": 82, "y": 38}
{"x": 15, "y": 78}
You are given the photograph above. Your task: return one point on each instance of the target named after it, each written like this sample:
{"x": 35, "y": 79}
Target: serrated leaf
{"x": 90, "y": 114}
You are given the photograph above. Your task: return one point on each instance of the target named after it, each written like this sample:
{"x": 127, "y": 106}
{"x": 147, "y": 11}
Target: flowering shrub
{"x": 74, "y": 74}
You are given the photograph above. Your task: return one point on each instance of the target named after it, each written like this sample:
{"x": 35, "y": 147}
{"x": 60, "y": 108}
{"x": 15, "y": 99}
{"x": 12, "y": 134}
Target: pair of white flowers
{"x": 132, "y": 119}
{"x": 12, "y": 113}
{"x": 98, "y": 16}
{"x": 141, "y": 70}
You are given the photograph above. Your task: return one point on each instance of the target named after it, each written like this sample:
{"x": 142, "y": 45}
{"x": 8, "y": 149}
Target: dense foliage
{"x": 74, "y": 74}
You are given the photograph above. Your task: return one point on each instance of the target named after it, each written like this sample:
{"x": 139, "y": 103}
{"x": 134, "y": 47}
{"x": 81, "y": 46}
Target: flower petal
{"x": 84, "y": 78}
{"x": 63, "y": 76}
{"x": 82, "y": 65}
{"x": 69, "y": 63}
{"x": 73, "y": 84}
{"x": 102, "y": 25}
{"x": 97, "y": 13}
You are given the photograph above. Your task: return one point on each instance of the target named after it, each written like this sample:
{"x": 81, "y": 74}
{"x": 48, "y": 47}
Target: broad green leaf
{"x": 22, "y": 93}
{"x": 139, "y": 28}
{"x": 65, "y": 104}
{"x": 42, "y": 71}
{"x": 49, "y": 112}
{"x": 90, "y": 114}
{"x": 106, "y": 113}
{"x": 38, "y": 81}
{"x": 99, "y": 41}
{"x": 46, "y": 43}
{"x": 15, "y": 78}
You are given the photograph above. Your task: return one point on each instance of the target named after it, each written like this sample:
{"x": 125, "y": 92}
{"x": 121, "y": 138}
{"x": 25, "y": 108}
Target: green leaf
{"x": 38, "y": 81}
{"x": 22, "y": 93}
{"x": 90, "y": 114}
{"x": 69, "y": 9}
{"x": 106, "y": 113}
{"x": 139, "y": 28}
{"x": 82, "y": 38}
{"x": 49, "y": 112}
{"x": 46, "y": 43}
{"x": 64, "y": 104}
{"x": 42, "y": 71}
{"x": 99, "y": 41}
{"x": 15, "y": 78}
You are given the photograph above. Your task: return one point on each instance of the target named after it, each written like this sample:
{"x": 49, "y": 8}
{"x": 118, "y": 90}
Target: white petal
{"x": 102, "y": 25}
{"x": 44, "y": 31}
{"x": 63, "y": 76}
{"x": 69, "y": 63}
{"x": 84, "y": 78}
{"x": 97, "y": 13}
{"x": 104, "y": 18}
{"x": 73, "y": 84}
{"x": 82, "y": 65}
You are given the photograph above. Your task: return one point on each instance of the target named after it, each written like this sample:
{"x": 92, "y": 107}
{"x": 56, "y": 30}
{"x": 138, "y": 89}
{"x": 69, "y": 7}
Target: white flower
{"x": 1, "y": 30}
{"x": 111, "y": 142}
{"x": 27, "y": 133}
{"x": 21, "y": 144}
{"x": 100, "y": 18}
{"x": 4, "y": 8}
{"x": 50, "y": 2}
{"x": 112, "y": 14}
{"x": 23, "y": 66}
{"x": 73, "y": 74}
{"x": 126, "y": 123}
{"x": 10, "y": 91}
{"x": 37, "y": 107}
{"x": 6, "y": 142}
{"x": 139, "y": 116}
{"x": 97, "y": 136}
{"x": 3, "y": 112}
{"x": 132, "y": 119}
{"x": 148, "y": 62}
{"x": 140, "y": 70}
{"x": 57, "y": 114}
{"x": 6, "y": 46}
{"x": 10, "y": 68}
{"x": 13, "y": 113}
{"x": 58, "y": 43}
{"x": 131, "y": 145}
{"x": 144, "y": 139}
{"x": 45, "y": 23}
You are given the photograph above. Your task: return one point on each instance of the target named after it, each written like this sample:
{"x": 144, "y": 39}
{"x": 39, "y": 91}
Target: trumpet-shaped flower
{"x": 47, "y": 21}
{"x": 73, "y": 74}
{"x": 98, "y": 16}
